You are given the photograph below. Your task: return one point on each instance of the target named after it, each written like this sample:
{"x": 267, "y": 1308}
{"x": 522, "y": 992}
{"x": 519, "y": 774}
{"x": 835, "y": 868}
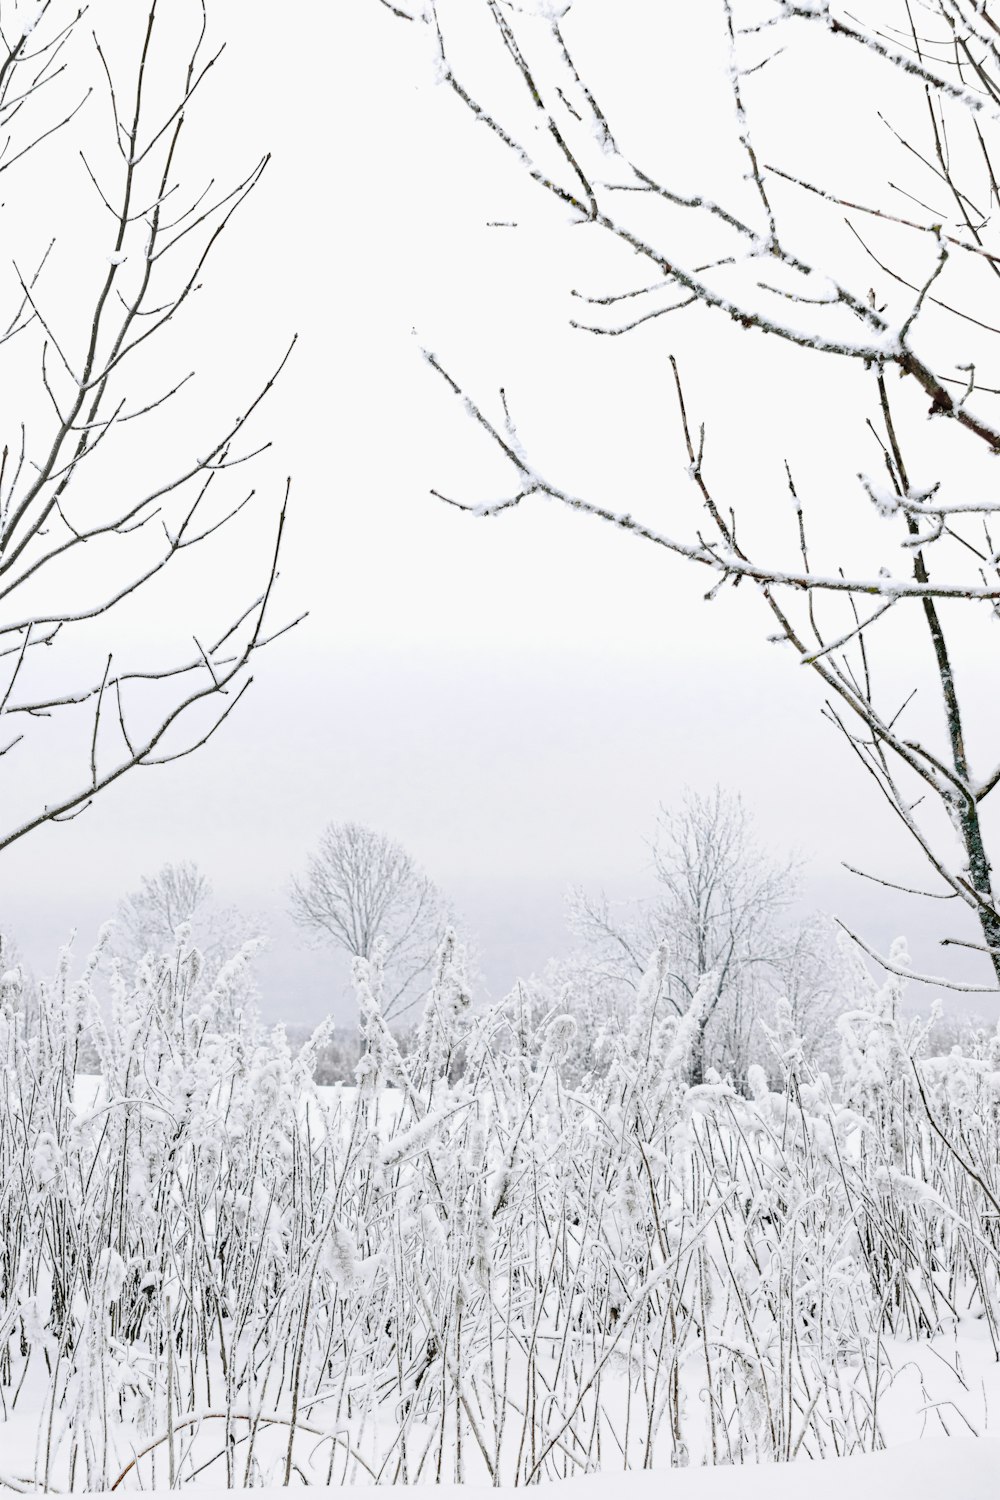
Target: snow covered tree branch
{"x": 863, "y": 263}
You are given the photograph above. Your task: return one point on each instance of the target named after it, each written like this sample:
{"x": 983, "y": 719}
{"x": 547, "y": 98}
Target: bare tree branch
{"x": 62, "y": 494}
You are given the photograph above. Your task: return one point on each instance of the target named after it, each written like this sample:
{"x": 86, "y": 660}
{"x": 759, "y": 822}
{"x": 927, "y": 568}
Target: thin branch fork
{"x": 728, "y": 562}
{"x": 141, "y": 751}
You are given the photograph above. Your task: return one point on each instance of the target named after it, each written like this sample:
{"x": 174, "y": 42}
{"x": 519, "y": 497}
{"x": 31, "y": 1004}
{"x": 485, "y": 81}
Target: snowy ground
{"x": 936, "y": 1469}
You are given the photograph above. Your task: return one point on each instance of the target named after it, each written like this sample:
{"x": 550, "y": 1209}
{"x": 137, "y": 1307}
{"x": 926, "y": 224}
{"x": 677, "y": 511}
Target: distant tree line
{"x": 721, "y": 937}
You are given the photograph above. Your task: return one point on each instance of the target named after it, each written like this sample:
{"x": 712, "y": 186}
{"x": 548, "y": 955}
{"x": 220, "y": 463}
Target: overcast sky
{"x": 511, "y": 699}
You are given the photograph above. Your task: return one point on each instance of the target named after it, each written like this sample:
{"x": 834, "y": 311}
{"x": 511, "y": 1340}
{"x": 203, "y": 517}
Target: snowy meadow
{"x": 476, "y": 1265}
{"x": 705, "y": 1200}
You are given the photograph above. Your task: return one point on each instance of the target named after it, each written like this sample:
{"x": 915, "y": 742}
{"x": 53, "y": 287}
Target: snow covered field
{"x": 467, "y": 1269}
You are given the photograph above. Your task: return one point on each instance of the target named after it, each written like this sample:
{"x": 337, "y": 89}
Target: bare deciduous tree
{"x": 717, "y": 211}
{"x": 717, "y": 911}
{"x": 148, "y": 917}
{"x": 360, "y": 889}
{"x": 110, "y": 474}
{"x": 818, "y": 971}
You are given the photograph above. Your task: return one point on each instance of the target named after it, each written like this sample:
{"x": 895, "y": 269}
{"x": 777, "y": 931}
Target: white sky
{"x": 511, "y": 699}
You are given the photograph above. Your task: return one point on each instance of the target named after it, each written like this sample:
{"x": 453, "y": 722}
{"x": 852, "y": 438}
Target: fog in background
{"x": 511, "y": 699}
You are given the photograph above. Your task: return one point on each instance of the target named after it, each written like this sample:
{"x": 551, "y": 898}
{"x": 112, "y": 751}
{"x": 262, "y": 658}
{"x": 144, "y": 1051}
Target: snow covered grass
{"x": 214, "y": 1273}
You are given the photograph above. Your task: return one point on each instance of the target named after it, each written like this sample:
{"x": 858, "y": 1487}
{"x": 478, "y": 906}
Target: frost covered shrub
{"x": 475, "y": 1260}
